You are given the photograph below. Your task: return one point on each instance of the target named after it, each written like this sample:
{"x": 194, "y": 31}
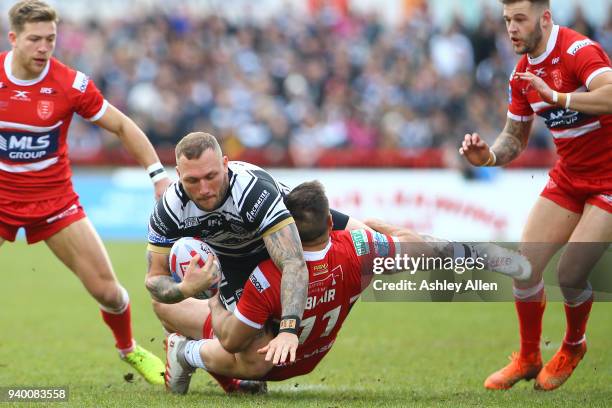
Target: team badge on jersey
{"x": 557, "y": 78}
{"x": 44, "y": 109}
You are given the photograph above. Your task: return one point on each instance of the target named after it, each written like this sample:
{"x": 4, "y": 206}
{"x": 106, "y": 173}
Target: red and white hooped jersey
{"x": 34, "y": 119}
{"x": 569, "y": 64}
{"x": 337, "y": 276}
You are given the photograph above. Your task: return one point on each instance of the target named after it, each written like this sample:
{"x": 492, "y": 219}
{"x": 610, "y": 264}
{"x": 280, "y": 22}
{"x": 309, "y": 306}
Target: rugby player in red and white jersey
{"x": 566, "y": 78}
{"x": 38, "y": 96}
{"x": 340, "y": 265}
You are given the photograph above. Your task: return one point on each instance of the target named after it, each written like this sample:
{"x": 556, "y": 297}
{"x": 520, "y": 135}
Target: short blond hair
{"x": 30, "y": 11}
{"x": 194, "y": 144}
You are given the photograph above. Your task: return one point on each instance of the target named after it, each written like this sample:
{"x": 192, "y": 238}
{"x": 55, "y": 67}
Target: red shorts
{"x": 573, "y": 192}
{"x": 40, "y": 219}
{"x": 207, "y": 330}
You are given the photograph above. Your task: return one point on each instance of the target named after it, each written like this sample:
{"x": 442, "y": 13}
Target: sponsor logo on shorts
{"x": 606, "y": 197}
{"x": 73, "y": 209}
{"x": 360, "y": 242}
{"x": 258, "y": 205}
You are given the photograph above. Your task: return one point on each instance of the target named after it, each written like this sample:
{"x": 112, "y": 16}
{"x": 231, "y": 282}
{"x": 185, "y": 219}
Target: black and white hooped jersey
{"x": 252, "y": 208}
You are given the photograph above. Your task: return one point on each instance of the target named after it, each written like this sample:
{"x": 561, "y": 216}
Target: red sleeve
{"x": 87, "y": 98}
{"x": 368, "y": 246}
{"x": 255, "y": 305}
{"x": 588, "y": 60}
{"x": 519, "y": 108}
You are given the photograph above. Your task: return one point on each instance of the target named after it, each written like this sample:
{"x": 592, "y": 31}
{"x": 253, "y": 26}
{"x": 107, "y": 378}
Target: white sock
{"x": 192, "y": 353}
{"x": 581, "y": 297}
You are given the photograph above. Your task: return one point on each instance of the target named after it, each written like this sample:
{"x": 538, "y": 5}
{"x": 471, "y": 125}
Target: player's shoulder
{"x": 571, "y": 42}
{"x": 71, "y": 80}
{"x": 252, "y": 189}
{"x": 174, "y": 201}
{"x": 244, "y": 174}
{"x": 341, "y": 236}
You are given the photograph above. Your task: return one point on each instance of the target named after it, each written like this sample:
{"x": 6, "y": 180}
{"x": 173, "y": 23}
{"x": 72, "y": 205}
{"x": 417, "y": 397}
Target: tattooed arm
{"x": 285, "y": 250}
{"x": 511, "y": 141}
{"x": 159, "y": 282}
{"x": 165, "y": 290}
{"x": 508, "y": 145}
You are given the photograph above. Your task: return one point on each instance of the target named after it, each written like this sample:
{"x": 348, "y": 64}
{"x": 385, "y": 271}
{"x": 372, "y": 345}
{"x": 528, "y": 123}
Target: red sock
{"x": 530, "y": 311}
{"x": 577, "y": 317}
{"x": 228, "y": 384}
{"x": 121, "y": 326}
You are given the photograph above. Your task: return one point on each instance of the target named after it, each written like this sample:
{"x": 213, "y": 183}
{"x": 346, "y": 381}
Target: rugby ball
{"x": 181, "y": 254}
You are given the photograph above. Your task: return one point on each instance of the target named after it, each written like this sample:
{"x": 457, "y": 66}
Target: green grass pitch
{"x": 387, "y": 354}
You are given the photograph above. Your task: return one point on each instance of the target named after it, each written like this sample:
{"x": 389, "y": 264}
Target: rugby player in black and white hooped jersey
{"x": 238, "y": 209}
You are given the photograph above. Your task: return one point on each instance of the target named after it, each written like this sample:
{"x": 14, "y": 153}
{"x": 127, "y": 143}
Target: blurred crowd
{"x": 299, "y": 83}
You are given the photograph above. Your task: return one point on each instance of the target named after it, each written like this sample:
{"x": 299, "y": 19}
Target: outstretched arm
{"x": 137, "y": 143}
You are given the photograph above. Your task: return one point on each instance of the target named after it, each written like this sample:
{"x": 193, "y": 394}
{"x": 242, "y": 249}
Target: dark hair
{"x": 544, "y": 3}
{"x": 194, "y": 144}
{"x": 30, "y": 11}
{"x": 309, "y": 207}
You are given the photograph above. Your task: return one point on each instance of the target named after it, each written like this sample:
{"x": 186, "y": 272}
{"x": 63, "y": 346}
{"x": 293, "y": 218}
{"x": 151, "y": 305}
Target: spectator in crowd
{"x": 314, "y": 81}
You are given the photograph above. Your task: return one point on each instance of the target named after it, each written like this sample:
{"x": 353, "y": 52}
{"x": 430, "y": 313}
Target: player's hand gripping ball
{"x": 181, "y": 254}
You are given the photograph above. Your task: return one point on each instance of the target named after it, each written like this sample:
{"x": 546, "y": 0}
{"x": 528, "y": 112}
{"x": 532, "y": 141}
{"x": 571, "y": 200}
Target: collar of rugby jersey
{"x": 550, "y": 46}
{"x": 8, "y": 60}
{"x": 317, "y": 255}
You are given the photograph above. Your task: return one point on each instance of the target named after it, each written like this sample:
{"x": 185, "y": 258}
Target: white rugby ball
{"x": 181, "y": 254}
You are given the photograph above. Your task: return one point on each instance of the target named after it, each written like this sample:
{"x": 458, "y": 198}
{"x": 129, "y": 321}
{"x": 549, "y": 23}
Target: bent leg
{"x": 247, "y": 365}
{"x": 79, "y": 247}
{"x": 588, "y": 242}
{"x": 186, "y": 317}
{"x": 548, "y": 227}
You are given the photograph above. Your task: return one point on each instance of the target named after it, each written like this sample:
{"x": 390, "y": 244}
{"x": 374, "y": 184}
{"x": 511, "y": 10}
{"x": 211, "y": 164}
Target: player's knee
{"x": 571, "y": 274}
{"x": 259, "y": 369}
{"x": 161, "y": 310}
{"x": 112, "y": 298}
{"x": 571, "y": 279}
